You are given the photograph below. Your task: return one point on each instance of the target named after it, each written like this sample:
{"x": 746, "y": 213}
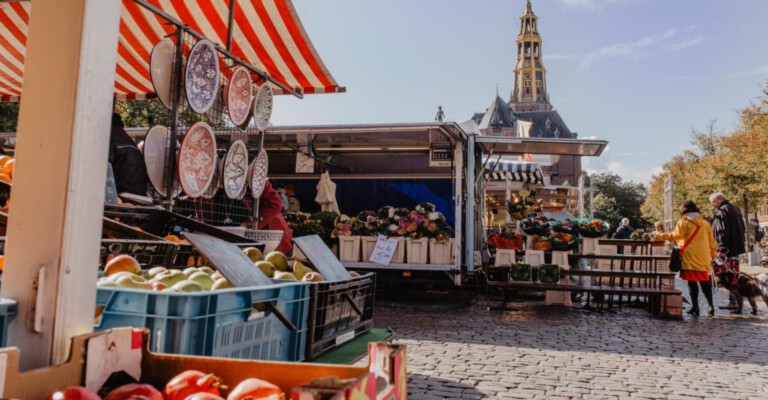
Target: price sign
{"x": 384, "y": 250}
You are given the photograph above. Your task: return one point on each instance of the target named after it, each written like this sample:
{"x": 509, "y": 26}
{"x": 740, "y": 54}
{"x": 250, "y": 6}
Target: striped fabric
{"x": 267, "y": 33}
{"x": 528, "y": 172}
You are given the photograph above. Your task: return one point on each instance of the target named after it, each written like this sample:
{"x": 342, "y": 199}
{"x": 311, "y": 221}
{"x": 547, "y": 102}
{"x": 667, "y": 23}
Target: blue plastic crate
{"x": 222, "y": 323}
{"x": 8, "y": 310}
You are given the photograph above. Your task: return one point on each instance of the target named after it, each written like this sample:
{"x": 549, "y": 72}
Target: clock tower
{"x": 530, "y": 92}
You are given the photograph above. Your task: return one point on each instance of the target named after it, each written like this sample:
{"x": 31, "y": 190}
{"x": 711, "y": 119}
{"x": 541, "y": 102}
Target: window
{"x": 538, "y": 83}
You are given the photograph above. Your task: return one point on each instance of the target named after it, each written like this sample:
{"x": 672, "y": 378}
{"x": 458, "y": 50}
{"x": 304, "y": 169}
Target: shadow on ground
{"x": 423, "y": 386}
{"x": 466, "y": 318}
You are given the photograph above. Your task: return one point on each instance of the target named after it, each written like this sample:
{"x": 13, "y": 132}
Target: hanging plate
{"x": 156, "y": 144}
{"x": 260, "y": 171}
{"x": 235, "y": 169}
{"x": 262, "y": 107}
{"x": 240, "y": 96}
{"x": 202, "y": 76}
{"x": 197, "y": 159}
{"x": 161, "y": 71}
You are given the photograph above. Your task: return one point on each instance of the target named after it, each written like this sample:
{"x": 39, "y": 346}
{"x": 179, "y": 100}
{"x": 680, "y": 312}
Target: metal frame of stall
{"x": 442, "y": 144}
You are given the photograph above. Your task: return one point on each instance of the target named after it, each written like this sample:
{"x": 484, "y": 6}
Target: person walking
{"x": 728, "y": 227}
{"x": 624, "y": 231}
{"x": 694, "y": 237}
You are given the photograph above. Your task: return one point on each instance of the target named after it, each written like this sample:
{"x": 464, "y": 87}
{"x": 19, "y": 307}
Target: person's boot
{"x": 694, "y": 311}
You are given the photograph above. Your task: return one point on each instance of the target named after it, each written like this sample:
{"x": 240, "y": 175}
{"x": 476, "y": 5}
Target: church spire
{"x": 530, "y": 91}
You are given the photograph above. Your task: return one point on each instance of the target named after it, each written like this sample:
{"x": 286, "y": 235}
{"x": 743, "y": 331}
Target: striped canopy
{"x": 528, "y": 172}
{"x": 266, "y": 33}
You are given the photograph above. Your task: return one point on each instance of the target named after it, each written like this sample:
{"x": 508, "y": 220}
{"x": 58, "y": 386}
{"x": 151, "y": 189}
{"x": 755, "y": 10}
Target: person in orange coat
{"x": 695, "y": 233}
{"x": 271, "y": 215}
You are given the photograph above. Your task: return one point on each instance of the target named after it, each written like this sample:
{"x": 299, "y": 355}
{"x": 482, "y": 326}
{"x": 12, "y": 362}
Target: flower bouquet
{"x": 535, "y": 226}
{"x": 592, "y": 228}
{"x": 563, "y": 241}
{"x": 549, "y": 273}
{"x": 506, "y": 240}
{"x": 520, "y": 272}
{"x": 520, "y": 205}
{"x": 566, "y": 226}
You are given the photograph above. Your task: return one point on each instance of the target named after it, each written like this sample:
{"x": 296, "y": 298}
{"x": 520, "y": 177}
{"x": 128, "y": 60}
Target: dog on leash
{"x": 745, "y": 286}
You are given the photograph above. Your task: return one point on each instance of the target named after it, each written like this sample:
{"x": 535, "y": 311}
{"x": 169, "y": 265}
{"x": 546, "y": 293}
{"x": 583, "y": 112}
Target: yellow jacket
{"x": 701, "y": 250}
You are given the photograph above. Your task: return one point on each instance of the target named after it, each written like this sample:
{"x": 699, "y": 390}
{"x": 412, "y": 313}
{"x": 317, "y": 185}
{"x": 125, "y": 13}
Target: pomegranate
{"x": 73, "y": 393}
{"x": 191, "y": 382}
{"x": 135, "y": 391}
{"x": 255, "y": 389}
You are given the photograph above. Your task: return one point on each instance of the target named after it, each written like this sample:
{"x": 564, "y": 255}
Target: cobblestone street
{"x": 457, "y": 348}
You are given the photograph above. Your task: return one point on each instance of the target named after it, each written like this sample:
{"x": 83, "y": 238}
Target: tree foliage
{"x": 733, "y": 164}
{"x": 9, "y": 117}
{"x": 617, "y": 199}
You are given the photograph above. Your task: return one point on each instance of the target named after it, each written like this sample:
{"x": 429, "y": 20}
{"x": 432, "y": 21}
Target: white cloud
{"x": 625, "y": 170}
{"x": 669, "y": 40}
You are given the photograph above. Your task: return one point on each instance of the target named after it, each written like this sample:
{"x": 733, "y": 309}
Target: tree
{"x": 617, "y": 199}
{"x": 9, "y": 117}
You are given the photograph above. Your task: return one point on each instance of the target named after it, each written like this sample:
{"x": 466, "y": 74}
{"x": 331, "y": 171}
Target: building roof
{"x": 498, "y": 115}
{"x": 546, "y": 124}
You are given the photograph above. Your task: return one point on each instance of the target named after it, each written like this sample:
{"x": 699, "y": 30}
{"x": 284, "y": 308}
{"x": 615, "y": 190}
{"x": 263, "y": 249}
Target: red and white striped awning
{"x": 266, "y": 33}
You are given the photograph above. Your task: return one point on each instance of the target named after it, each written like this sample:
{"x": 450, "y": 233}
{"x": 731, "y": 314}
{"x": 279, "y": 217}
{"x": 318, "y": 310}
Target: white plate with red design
{"x": 197, "y": 159}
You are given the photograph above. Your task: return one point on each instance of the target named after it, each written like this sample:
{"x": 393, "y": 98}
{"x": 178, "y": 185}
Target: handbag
{"x": 676, "y": 258}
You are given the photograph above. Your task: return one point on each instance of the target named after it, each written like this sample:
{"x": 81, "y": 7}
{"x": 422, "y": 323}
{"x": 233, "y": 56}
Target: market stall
{"x": 48, "y": 248}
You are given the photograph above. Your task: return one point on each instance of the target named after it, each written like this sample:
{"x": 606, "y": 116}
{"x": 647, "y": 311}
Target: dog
{"x": 745, "y": 285}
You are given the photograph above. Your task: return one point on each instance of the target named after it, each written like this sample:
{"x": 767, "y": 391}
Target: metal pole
{"x": 469, "y": 241}
{"x": 256, "y": 202}
{"x": 177, "y": 71}
{"x": 230, "y": 24}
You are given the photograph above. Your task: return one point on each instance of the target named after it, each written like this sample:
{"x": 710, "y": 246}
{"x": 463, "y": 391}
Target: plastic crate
{"x": 148, "y": 253}
{"x": 222, "y": 323}
{"x": 339, "y": 311}
{"x": 8, "y": 310}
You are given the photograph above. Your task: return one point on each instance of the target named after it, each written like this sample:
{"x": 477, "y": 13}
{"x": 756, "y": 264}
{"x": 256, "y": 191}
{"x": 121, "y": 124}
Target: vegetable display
{"x": 520, "y": 272}
{"x": 549, "y": 273}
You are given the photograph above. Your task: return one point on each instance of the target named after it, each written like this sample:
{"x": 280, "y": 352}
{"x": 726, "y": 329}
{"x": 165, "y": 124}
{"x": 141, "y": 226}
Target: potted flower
{"x": 349, "y": 243}
{"x": 519, "y": 272}
{"x": 506, "y": 244}
{"x": 416, "y": 245}
{"x": 439, "y": 233}
{"x": 592, "y": 228}
{"x": 563, "y": 241}
{"x": 535, "y": 226}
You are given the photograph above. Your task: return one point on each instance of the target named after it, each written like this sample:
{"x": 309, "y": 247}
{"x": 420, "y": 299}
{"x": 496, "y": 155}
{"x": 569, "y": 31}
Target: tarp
{"x": 519, "y": 171}
{"x": 266, "y": 33}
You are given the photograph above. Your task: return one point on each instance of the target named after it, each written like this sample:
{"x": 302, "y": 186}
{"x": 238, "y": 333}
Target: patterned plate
{"x": 260, "y": 171}
{"x": 211, "y": 191}
{"x": 235, "y": 169}
{"x": 262, "y": 107}
{"x": 197, "y": 159}
{"x": 156, "y": 145}
{"x": 239, "y": 96}
{"x": 202, "y": 76}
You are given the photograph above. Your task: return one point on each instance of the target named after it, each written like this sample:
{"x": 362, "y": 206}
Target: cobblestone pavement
{"x": 459, "y": 349}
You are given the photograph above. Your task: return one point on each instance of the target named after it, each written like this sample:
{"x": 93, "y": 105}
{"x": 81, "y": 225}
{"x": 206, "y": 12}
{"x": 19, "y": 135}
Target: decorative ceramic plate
{"x": 217, "y": 110}
{"x": 197, "y": 159}
{"x": 156, "y": 144}
{"x": 214, "y": 187}
{"x": 235, "y": 169}
{"x": 239, "y": 96}
{"x": 202, "y": 76}
{"x": 161, "y": 72}
{"x": 262, "y": 107}
{"x": 260, "y": 170}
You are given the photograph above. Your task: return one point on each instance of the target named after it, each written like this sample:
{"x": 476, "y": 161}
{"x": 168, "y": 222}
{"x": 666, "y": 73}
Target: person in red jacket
{"x": 271, "y": 215}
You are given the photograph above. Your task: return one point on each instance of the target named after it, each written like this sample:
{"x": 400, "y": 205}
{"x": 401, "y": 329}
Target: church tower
{"x": 530, "y": 92}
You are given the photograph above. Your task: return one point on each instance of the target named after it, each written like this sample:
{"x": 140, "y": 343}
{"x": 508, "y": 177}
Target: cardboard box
{"x": 115, "y": 357}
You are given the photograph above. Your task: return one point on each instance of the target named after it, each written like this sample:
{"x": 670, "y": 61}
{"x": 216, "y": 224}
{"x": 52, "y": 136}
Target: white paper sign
{"x": 384, "y": 250}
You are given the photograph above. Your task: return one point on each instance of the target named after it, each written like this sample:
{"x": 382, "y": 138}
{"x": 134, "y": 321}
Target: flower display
{"x": 535, "y": 226}
{"x": 566, "y": 226}
{"x": 640, "y": 234}
{"x": 563, "y": 241}
{"x": 520, "y": 272}
{"x": 549, "y": 273}
{"x": 592, "y": 228}
{"x": 506, "y": 240}
{"x": 523, "y": 203}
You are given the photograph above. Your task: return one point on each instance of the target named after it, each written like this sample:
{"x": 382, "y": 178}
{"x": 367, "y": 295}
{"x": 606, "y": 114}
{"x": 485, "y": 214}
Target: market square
{"x": 338, "y": 200}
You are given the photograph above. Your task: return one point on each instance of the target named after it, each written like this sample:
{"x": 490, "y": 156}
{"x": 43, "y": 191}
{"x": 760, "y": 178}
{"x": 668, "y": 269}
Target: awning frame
{"x": 522, "y": 145}
{"x": 224, "y": 51}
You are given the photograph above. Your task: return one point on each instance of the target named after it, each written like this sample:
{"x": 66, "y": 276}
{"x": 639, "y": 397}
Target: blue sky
{"x": 638, "y": 73}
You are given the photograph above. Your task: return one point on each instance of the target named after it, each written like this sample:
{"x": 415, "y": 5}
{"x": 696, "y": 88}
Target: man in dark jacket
{"x": 624, "y": 231}
{"x": 127, "y": 160}
{"x": 729, "y": 231}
